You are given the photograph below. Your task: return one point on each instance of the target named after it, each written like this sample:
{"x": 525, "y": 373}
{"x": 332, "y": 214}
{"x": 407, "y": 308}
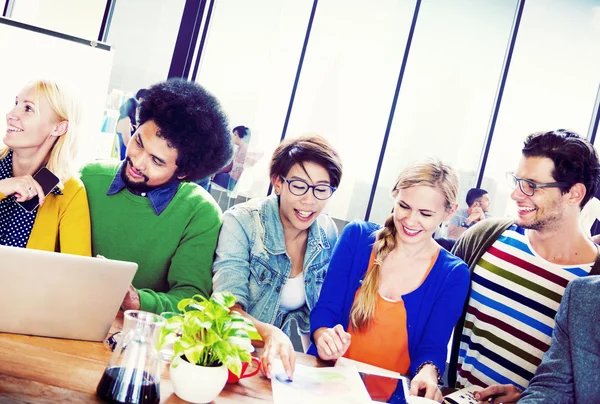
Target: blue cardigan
{"x": 432, "y": 309}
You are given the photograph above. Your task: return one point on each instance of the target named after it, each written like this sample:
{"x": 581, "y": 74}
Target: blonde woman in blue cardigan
{"x": 392, "y": 295}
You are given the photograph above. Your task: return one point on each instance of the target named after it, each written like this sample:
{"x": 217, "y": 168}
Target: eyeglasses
{"x": 299, "y": 188}
{"x": 528, "y": 187}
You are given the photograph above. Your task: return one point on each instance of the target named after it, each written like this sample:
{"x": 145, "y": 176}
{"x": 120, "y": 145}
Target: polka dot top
{"x": 15, "y": 222}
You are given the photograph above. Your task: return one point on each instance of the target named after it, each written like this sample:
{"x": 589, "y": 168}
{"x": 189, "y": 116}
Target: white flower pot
{"x": 197, "y": 384}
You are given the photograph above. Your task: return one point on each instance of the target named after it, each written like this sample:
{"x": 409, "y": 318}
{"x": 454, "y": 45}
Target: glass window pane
{"x": 347, "y": 86}
{"x": 142, "y": 34}
{"x": 552, "y": 83}
{"x": 249, "y": 63}
{"x": 448, "y": 90}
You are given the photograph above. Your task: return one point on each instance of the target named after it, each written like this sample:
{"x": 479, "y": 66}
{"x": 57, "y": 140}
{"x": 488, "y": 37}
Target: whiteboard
{"x": 30, "y": 52}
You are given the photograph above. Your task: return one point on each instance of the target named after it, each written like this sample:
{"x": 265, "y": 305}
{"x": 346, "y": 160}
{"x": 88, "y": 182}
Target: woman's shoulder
{"x": 359, "y": 233}
{"x": 360, "y": 229}
{"x": 249, "y": 208}
{"x": 249, "y": 216}
{"x": 72, "y": 195}
{"x": 449, "y": 263}
{"x": 72, "y": 186}
{"x": 328, "y": 228}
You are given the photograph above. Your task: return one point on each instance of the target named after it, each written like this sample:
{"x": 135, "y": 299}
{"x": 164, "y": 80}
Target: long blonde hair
{"x": 66, "y": 107}
{"x": 430, "y": 172}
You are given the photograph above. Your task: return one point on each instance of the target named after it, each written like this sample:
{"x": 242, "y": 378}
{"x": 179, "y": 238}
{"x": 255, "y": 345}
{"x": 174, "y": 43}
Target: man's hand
{"x": 277, "y": 343}
{"x": 426, "y": 380}
{"x": 475, "y": 215}
{"x": 332, "y": 343}
{"x": 499, "y": 394}
{"x": 131, "y": 300}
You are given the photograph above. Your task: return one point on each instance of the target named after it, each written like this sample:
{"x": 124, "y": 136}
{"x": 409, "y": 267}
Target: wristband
{"x": 437, "y": 370}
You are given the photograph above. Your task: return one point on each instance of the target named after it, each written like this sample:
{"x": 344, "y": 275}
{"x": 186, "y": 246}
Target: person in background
{"x": 128, "y": 120}
{"x": 392, "y": 294}
{"x": 42, "y": 131}
{"x": 144, "y": 209}
{"x": 229, "y": 175}
{"x": 273, "y": 252}
{"x": 478, "y": 206}
{"x": 568, "y": 373}
{"x": 520, "y": 269}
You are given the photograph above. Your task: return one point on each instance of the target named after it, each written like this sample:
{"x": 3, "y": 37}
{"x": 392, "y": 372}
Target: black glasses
{"x": 299, "y": 188}
{"x": 528, "y": 187}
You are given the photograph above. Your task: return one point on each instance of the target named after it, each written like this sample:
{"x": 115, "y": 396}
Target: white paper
{"x": 318, "y": 385}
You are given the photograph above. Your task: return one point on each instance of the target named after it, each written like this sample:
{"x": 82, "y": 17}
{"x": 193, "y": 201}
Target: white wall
{"x": 81, "y": 18}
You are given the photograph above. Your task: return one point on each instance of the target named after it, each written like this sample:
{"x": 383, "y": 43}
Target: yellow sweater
{"x": 62, "y": 224}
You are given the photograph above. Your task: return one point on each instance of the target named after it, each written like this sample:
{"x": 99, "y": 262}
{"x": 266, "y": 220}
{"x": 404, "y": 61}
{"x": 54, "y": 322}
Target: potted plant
{"x": 208, "y": 338}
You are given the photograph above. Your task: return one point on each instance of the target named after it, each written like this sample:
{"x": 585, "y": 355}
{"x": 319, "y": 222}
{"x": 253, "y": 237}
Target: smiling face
{"x": 300, "y": 212}
{"x": 32, "y": 123}
{"x": 546, "y": 208}
{"x": 418, "y": 212}
{"x": 149, "y": 162}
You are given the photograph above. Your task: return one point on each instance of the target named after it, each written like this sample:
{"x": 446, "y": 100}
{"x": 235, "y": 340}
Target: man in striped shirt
{"x": 520, "y": 269}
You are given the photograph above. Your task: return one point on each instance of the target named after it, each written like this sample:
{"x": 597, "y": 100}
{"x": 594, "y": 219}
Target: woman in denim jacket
{"x": 273, "y": 252}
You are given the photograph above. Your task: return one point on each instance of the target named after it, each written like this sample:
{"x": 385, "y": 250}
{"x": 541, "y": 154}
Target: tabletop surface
{"x": 51, "y": 370}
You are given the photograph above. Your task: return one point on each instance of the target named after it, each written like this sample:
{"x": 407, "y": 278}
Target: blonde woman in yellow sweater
{"x": 41, "y": 131}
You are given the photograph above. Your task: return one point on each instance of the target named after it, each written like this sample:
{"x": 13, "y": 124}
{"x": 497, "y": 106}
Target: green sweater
{"x": 174, "y": 251}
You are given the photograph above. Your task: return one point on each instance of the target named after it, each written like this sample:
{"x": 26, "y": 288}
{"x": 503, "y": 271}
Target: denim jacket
{"x": 251, "y": 261}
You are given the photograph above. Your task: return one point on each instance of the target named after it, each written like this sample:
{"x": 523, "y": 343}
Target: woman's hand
{"x": 23, "y": 188}
{"x": 332, "y": 343}
{"x": 277, "y": 343}
{"x": 426, "y": 380}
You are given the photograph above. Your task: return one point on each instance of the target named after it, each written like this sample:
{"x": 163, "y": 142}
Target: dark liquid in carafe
{"x": 119, "y": 386}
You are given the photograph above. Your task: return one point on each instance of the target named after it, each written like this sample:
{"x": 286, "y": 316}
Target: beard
{"x": 142, "y": 186}
{"x": 549, "y": 218}
{"x": 135, "y": 186}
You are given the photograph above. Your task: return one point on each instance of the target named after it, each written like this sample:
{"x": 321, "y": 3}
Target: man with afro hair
{"x": 147, "y": 210}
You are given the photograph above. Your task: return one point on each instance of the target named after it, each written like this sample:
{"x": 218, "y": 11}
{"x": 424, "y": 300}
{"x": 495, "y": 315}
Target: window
{"x": 347, "y": 86}
{"x": 552, "y": 83}
{"x": 249, "y": 63}
{"x": 448, "y": 90}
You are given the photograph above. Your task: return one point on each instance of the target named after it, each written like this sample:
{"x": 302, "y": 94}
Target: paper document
{"x": 318, "y": 385}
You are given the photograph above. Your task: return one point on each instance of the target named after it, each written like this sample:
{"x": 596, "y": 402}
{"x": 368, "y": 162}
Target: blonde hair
{"x": 431, "y": 173}
{"x": 66, "y": 108}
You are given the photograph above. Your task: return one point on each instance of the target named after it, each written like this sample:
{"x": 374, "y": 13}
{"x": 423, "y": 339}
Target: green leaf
{"x": 208, "y": 333}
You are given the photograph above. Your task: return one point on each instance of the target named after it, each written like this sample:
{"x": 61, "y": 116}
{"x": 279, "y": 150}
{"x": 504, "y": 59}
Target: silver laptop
{"x": 60, "y": 295}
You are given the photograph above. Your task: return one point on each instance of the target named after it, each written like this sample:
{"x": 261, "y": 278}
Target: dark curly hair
{"x": 575, "y": 159}
{"x": 190, "y": 119}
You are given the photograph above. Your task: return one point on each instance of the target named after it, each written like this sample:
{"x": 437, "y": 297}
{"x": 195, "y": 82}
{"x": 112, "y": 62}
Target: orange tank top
{"x": 384, "y": 343}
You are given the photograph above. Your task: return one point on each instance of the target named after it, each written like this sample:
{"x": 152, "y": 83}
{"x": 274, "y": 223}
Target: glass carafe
{"x": 133, "y": 373}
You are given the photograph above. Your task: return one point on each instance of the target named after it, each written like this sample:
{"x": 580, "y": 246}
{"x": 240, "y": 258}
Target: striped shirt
{"x": 515, "y": 294}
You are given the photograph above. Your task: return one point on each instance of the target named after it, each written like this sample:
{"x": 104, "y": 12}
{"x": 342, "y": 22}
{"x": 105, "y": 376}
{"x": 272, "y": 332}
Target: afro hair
{"x": 191, "y": 120}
